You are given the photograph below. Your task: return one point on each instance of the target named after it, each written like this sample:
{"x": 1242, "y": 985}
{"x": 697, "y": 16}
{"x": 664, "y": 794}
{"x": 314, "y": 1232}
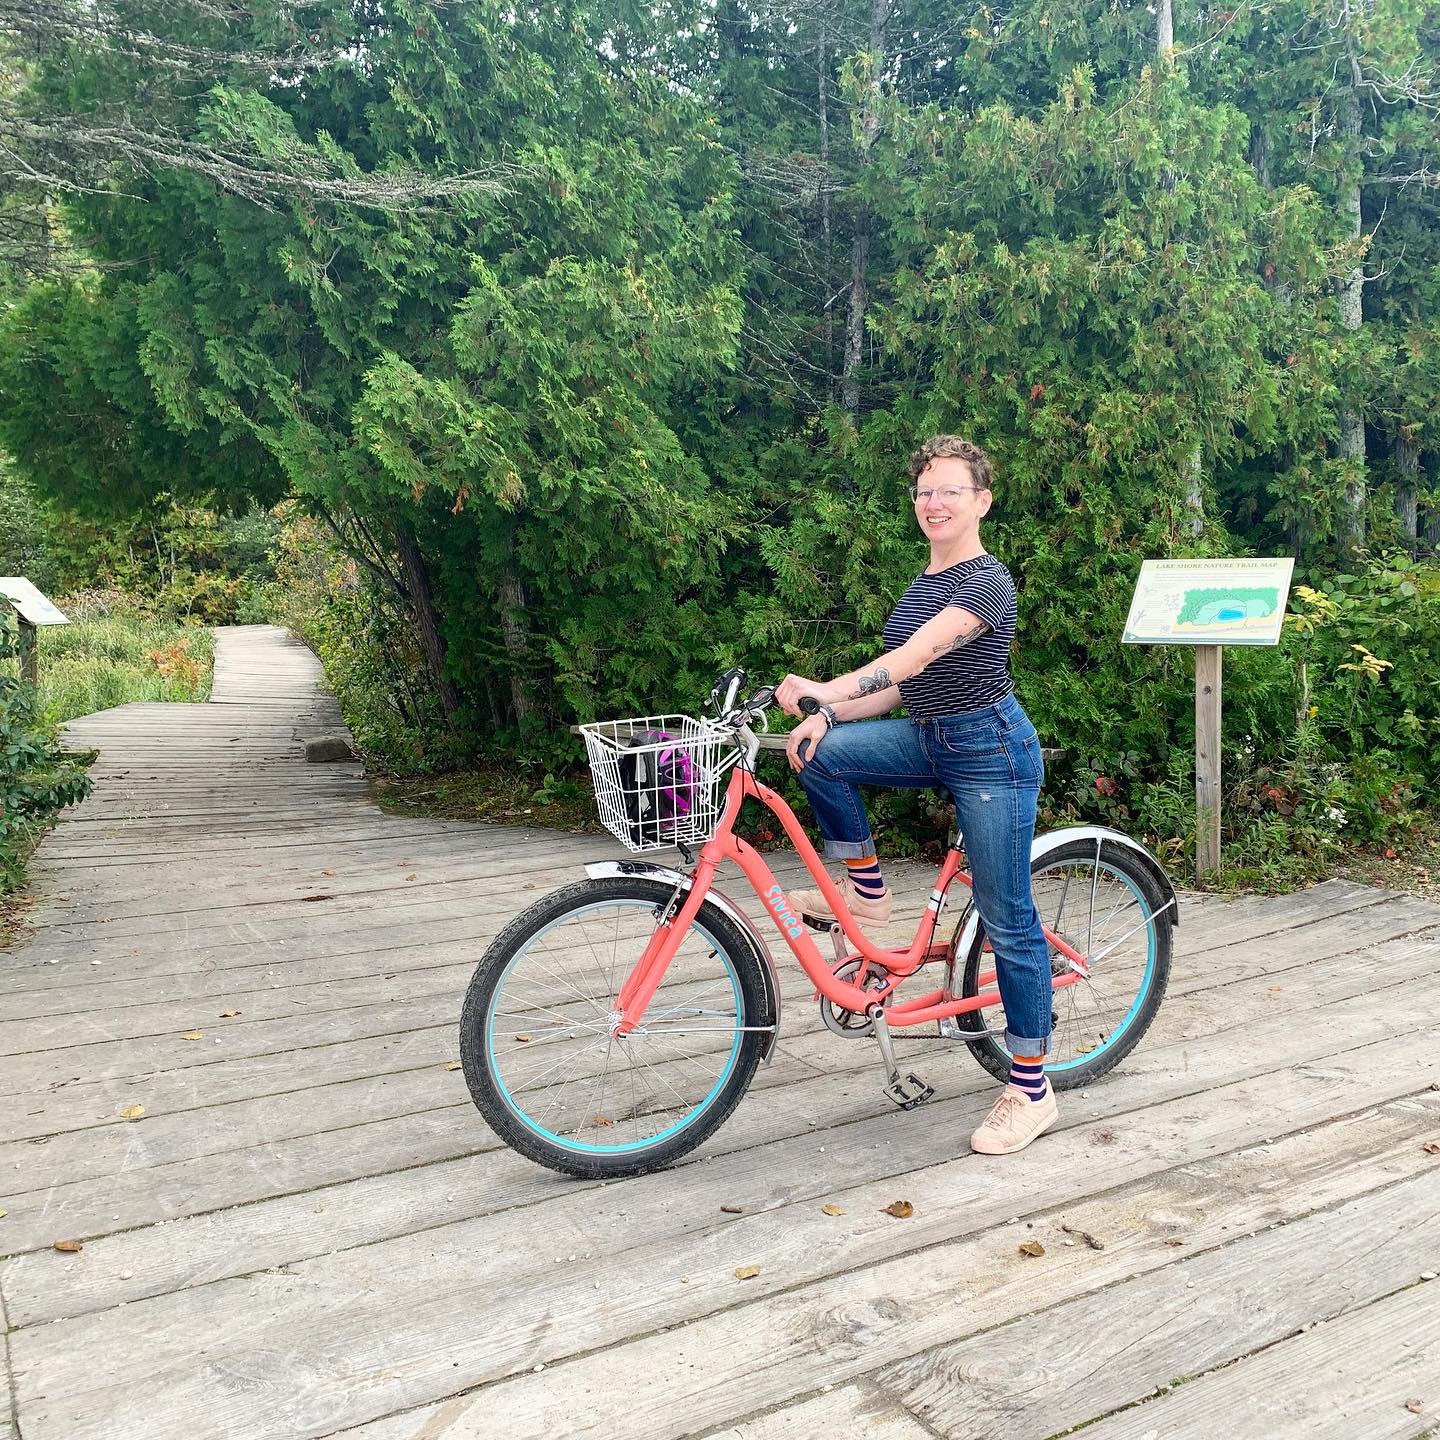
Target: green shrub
{"x": 37, "y": 778}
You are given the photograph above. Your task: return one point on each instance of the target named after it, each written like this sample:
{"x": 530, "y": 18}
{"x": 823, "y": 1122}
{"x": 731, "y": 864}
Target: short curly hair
{"x": 953, "y": 447}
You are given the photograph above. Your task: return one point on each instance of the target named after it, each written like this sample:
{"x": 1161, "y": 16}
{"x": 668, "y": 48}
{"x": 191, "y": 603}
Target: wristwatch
{"x": 831, "y": 719}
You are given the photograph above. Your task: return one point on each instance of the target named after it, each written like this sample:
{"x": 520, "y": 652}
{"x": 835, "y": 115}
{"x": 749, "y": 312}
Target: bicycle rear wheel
{"x": 1107, "y": 906}
{"x": 536, "y": 1034}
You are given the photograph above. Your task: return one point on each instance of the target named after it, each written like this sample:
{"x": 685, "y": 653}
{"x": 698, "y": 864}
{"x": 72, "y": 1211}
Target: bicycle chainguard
{"x": 909, "y": 1092}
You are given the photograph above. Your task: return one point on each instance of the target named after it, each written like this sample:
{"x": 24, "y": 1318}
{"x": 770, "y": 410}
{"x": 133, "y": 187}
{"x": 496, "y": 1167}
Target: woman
{"x": 947, "y": 660}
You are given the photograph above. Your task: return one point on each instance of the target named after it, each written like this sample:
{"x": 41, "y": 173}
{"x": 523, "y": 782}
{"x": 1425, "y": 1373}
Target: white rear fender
{"x": 1095, "y": 835}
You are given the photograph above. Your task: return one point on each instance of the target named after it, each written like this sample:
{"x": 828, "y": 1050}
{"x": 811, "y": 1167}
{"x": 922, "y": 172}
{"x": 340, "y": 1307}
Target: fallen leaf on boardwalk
{"x": 1414, "y": 1406}
{"x": 310, "y": 899}
{"x": 524, "y": 1039}
{"x": 1174, "y": 1240}
{"x": 1274, "y": 989}
{"x": 900, "y": 1209}
{"x": 528, "y": 885}
{"x": 1085, "y": 1235}
{"x": 3, "y": 1214}
{"x": 193, "y": 1035}
{"x": 132, "y": 1112}
{"x": 603, "y": 1120}
{"x": 747, "y": 1272}
{"x": 1431, "y": 1148}
{"x": 831, "y": 1210}
{"x": 228, "y": 1014}
{"x": 330, "y": 873}
{"x": 1032, "y": 1247}
{"x": 69, "y": 1247}
{"x": 732, "y": 1209}
{"x": 103, "y": 919}
{"x": 453, "y": 1065}
{"x": 412, "y": 877}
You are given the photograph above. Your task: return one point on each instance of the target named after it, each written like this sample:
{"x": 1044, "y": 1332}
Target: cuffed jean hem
{"x": 1019, "y": 1045}
{"x": 849, "y": 849}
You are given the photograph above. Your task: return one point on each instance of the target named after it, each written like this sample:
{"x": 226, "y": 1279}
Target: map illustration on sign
{"x": 1209, "y": 602}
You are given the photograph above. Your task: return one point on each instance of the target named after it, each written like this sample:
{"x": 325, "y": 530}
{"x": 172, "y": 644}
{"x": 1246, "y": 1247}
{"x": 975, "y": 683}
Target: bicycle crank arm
{"x": 909, "y": 1092}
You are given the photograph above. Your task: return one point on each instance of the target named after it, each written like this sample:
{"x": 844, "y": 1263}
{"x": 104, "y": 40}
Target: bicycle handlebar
{"x": 730, "y": 684}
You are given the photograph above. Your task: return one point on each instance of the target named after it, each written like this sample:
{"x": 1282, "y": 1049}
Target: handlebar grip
{"x": 809, "y": 705}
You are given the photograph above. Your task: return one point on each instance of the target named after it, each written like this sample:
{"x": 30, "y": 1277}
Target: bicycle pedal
{"x": 909, "y": 1092}
{"x": 815, "y": 922}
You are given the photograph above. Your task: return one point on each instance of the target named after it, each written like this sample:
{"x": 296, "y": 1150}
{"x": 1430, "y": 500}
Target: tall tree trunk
{"x": 1192, "y": 471}
{"x": 515, "y": 632}
{"x": 1407, "y": 466}
{"x": 827, "y": 251}
{"x": 1350, "y": 443}
{"x": 860, "y": 243}
{"x": 855, "y": 315}
{"x": 427, "y": 626}
{"x": 1430, "y": 528}
{"x": 1195, "y": 491}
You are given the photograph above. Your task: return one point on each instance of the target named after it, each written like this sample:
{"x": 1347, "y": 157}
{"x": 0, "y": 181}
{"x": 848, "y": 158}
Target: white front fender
{"x": 602, "y": 869}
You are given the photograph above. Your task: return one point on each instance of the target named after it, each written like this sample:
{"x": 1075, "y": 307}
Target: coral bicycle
{"x": 615, "y": 1024}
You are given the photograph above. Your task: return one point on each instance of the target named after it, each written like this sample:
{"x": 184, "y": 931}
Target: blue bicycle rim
{"x": 577, "y": 1147}
{"x": 1146, "y": 980}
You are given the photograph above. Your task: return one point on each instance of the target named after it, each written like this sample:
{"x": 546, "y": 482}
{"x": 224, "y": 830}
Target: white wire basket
{"x": 660, "y": 780}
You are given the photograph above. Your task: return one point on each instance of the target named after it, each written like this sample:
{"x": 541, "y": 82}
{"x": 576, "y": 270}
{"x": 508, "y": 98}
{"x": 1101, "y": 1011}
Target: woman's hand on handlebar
{"x": 801, "y": 742}
{"x": 793, "y": 688}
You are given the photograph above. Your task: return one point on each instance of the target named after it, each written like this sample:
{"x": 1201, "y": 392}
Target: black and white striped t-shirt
{"x": 979, "y": 673}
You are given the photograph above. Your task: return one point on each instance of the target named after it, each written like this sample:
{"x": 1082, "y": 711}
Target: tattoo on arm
{"x": 963, "y": 639}
{"x": 869, "y": 684}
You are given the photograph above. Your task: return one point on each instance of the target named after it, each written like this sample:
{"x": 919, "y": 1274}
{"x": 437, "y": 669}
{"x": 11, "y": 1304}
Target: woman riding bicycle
{"x": 947, "y": 661}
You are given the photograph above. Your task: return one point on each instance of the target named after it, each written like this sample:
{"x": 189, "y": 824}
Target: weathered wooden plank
{"x": 320, "y": 1318}
{"x": 801, "y": 1336}
{"x": 1067, "y": 1363}
{"x": 1345, "y": 1378}
{"x": 850, "y": 1410}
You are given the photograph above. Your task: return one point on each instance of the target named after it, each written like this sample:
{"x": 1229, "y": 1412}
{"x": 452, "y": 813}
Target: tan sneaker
{"x": 862, "y": 907}
{"x": 1014, "y": 1121}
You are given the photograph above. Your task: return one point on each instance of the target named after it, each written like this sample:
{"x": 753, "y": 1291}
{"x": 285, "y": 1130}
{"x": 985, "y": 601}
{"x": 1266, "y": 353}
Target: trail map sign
{"x": 1208, "y": 604}
{"x": 31, "y": 604}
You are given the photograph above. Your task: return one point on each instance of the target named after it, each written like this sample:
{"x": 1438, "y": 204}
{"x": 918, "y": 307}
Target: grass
{"x": 102, "y": 660}
{"x": 497, "y": 793}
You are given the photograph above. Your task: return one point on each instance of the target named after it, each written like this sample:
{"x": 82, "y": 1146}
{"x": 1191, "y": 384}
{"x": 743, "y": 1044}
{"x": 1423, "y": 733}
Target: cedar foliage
{"x": 647, "y": 408}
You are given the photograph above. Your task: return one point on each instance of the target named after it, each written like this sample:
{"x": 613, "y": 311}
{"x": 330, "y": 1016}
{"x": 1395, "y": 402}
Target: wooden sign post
{"x": 31, "y": 609}
{"x": 1208, "y": 604}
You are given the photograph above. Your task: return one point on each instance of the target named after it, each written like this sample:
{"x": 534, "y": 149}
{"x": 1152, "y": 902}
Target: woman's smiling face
{"x": 947, "y": 502}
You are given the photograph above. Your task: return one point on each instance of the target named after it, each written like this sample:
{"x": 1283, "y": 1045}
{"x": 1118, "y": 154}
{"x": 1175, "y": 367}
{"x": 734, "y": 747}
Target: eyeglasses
{"x": 948, "y": 496}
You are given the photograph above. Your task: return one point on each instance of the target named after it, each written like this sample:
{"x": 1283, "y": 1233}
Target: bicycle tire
{"x": 1120, "y": 1041}
{"x": 516, "y": 1126}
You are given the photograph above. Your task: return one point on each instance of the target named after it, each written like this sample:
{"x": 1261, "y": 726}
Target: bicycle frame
{"x": 644, "y": 979}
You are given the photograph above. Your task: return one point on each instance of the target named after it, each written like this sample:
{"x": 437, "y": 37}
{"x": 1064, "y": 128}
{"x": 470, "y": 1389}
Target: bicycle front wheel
{"x": 537, "y": 1041}
{"x": 1108, "y": 907}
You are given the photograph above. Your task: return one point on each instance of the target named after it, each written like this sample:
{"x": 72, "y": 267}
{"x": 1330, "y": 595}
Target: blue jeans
{"x": 989, "y": 761}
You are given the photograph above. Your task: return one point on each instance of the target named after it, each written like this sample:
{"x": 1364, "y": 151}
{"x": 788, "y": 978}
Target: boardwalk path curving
{"x": 311, "y": 1233}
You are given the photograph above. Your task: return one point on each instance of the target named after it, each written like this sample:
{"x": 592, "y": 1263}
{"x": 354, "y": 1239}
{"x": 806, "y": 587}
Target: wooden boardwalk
{"x": 311, "y": 1233}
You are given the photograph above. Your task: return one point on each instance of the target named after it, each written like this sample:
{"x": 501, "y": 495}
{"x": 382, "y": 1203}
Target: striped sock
{"x": 1027, "y": 1073}
{"x": 865, "y": 877}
